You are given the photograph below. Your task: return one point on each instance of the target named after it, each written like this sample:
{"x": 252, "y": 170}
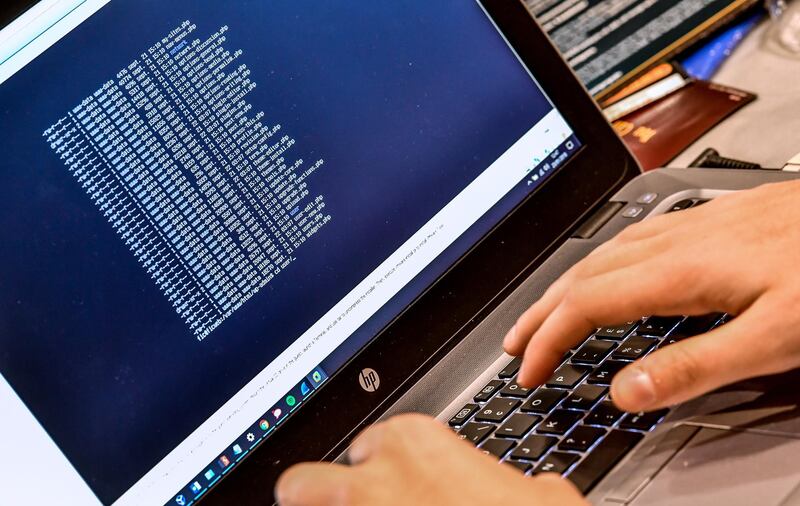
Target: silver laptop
{"x": 236, "y": 233}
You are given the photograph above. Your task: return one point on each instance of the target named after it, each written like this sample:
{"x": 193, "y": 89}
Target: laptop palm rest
{"x": 723, "y": 466}
{"x": 737, "y": 446}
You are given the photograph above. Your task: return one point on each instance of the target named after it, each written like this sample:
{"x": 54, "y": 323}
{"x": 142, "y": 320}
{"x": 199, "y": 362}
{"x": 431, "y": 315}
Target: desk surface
{"x": 768, "y": 130}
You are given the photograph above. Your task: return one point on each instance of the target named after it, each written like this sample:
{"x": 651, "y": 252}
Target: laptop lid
{"x": 217, "y": 215}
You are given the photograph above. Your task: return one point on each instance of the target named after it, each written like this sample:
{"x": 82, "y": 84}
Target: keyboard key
{"x": 593, "y": 352}
{"x": 695, "y": 325}
{"x": 556, "y": 462}
{"x": 581, "y": 438}
{"x": 643, "y": 421}
{"x": 511, "y": 369}
{"x": 496, "y": 410}
{"x": 618, "y": 332}
{"x": 489, "y": 390}
{"x": 533, "y": 447}
{"x": 476, "y": 432}
{"x": 606, "y": 372}
{"x": 658, "y": 326}
{"x": 606, "y": 414}
{"x": 543, "y": 401}
{"x": 681, "y": 205}
{"x": 602, "y": 459}
{"x": 463, "y": 414}
{"x": 522, "y": 466}
{"x": 497, "y": 447}
{"x": 518, "y": 425}
{"x": 559, "y": 422}
{"x": 567, "y": 376}
{"x": 514, "y": 390}
{"x": 634, "y": 347}
{"x": 585, "y": 397}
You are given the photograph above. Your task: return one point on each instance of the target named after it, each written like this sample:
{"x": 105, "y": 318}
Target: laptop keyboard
{"x": 569, "y": 425}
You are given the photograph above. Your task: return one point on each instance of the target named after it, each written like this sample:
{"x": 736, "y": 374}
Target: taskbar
{"x": 248, "y": 440}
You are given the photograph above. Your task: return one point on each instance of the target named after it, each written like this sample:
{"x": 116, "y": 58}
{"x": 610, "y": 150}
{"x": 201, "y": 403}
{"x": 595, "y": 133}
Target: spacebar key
{"x": 604, "y": 456}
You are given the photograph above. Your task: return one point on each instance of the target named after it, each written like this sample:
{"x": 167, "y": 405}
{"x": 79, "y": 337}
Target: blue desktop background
{"x": 407, "y": 102}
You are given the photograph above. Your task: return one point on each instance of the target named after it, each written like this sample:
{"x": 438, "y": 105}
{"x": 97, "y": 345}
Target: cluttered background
{"x": 703, "y": 83}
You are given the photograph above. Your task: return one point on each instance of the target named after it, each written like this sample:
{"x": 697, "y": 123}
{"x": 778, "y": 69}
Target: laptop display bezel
{"x": 439, "y": 318}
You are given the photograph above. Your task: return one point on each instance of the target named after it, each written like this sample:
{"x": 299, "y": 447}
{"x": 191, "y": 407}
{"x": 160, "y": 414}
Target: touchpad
{"x": 729, "y": 467}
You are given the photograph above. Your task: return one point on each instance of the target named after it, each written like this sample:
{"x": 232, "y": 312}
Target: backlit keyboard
{"x": 569, "y": 425}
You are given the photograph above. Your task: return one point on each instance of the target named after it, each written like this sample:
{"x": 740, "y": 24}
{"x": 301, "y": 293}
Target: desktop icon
{"x": 196, "y": 487}
{"x": 210, "y": 474}
{"x": 180, "y": 500}
{"x": 263, "y": 424}
{"x": 237, "y": 450}
{"x": 224, "y": 462}
{"x": 304, "y": 389}
{"x": 277, "y": 413}
{"x": 290, "y": 400}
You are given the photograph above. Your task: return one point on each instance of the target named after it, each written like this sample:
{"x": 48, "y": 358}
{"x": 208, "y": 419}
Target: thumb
{"x": 738, "y": 350}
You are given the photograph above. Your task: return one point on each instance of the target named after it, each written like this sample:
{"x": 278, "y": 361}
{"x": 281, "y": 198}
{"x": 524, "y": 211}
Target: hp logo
{"x": 369, "y": 380}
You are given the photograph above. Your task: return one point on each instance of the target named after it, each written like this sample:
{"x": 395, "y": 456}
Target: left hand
{"x": 413, "y": 459}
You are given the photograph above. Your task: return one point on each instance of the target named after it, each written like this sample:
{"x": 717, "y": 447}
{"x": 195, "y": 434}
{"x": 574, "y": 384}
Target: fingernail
{"x": 510, "y": 336}
{"x": 634, "y": 388}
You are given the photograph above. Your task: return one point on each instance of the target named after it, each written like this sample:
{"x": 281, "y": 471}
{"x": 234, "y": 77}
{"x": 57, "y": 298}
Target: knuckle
{"x": 675, "y": 370}
{"x": 573, "y": 298}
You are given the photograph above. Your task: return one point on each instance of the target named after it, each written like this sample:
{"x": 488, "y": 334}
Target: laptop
{"x": 237, "y": 233}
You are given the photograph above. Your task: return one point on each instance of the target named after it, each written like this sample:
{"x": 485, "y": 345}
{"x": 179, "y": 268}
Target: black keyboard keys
{"x": 681, "y": 205}
{"x": 476, "y": 432}
{"x": 581, "y": 438}
{"x": 518, "y": 425}
{"x": 593, "y": 351}
{"x": 634, "y": 347}
{"x": 585, "y": 397}
{"x": 497, "y": 447}
{"x": 533, "y": 447}
{"x": 511, "y": 369}
{"x": 559, "y": 422}
{"x": 606, "y": 372}
{"x": 514, "y": 390}
{"x": 604, "y": 457}
{"x": 695, "y": 325}
{"x": 463, "y": 414}
{"x": 642, "y": 421}
{"x": 556, "y": 462}
{"x": 567, "y": 376}
{"x": 605, "y": 414}
{"x": 488, "y": 391}
{"x": 496, "y": 410}
{"x": 543, "y": 401}
{"x": 517, "y": 464}
{"x": 658, "y": 326}
{"x": 618, "y": 332}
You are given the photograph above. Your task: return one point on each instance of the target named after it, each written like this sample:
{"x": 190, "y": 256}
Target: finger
{"x": 367, "y": 444}
{"x": 313, "y": 484}
{"x": 738, "y": 350}
{"x": 655, "y": 225}
{"x": 611, "y": 298}
{"x": 611, "y": 259}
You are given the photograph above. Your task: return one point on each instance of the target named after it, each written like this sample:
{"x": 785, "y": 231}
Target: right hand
{"x": 739, "y": 254}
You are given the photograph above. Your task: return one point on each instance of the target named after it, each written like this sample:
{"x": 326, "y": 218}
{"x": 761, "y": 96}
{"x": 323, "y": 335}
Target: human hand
{"x": 413, "y": 459}
{"x": 738, "y": 254}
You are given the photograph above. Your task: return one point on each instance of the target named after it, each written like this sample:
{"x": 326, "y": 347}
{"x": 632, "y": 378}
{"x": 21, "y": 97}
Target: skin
{"x": 412, "y": 459}
{"x": 737, "y": 254}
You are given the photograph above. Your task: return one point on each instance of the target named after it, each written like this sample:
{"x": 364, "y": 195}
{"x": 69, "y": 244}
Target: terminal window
{"x": 202, "y": 189}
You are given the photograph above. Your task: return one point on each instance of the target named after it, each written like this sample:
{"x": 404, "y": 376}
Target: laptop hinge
{"x": 598, "y": 219}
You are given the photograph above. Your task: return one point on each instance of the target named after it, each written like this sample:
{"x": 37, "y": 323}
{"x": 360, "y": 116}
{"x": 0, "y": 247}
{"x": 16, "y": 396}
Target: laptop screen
{"x": 209, "y": 207}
